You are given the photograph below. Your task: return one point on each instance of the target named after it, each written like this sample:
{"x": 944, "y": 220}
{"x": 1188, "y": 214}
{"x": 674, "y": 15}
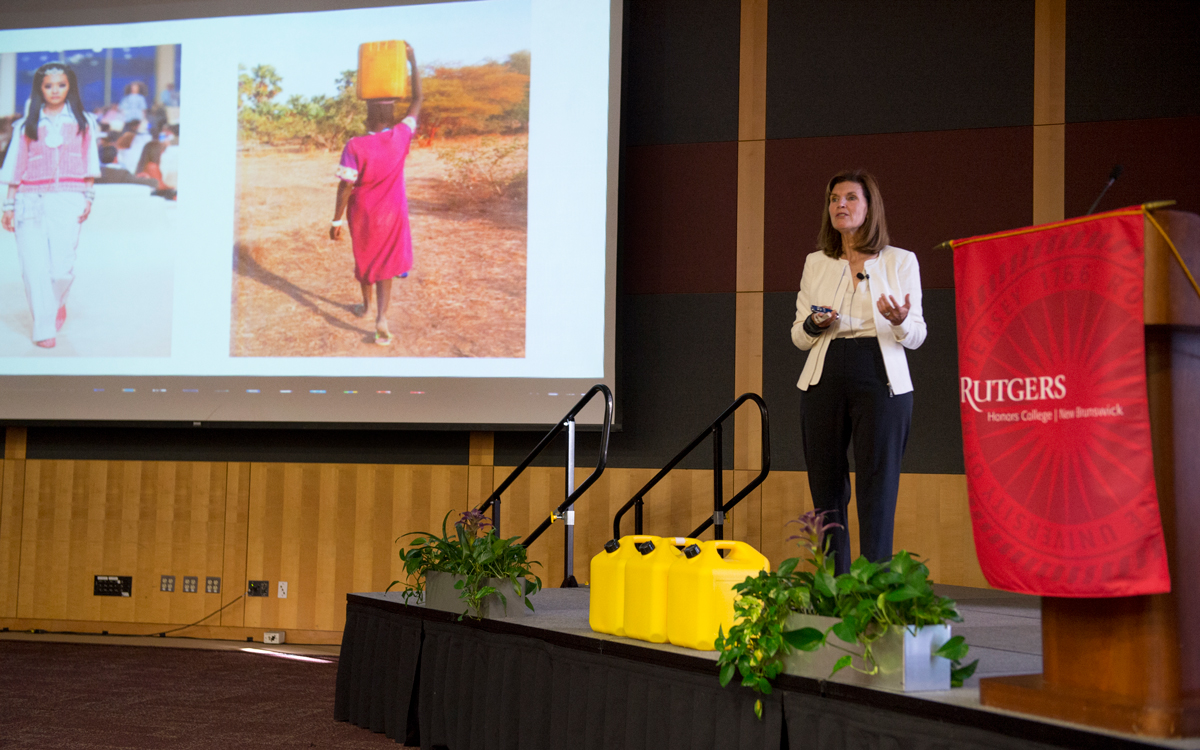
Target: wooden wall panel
{"x": 932, "y": 520}
{"x": 680, "y": 502}
{"x": 142, "y": 519}
{"x": 15, "y": 439}
{"x": 528, "y": 501}
{"x": 233, "y": 564}
{"x": 745, "y": 522}
{"x": 1049, "y": 110}
{"x": 330, "y": 529}
{"x": 186, "y": 538}
{"x": 12, "y": 497}
{"x": 785, "y": 496}
{"x": 748, "y": 378}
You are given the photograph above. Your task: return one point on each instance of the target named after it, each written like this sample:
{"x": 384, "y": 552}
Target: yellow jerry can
{"x": 646, "y": 587}
{"x": 606, "y": 607}
{"x": 382, "y": 70}
{"x": 700, "y": 590}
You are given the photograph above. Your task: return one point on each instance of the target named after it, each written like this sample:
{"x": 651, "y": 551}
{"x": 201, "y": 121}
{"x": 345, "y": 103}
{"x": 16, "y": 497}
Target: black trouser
{"x": 853, "y": 399}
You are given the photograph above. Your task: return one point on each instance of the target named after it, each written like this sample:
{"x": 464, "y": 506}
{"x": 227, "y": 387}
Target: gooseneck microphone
{"x": 1112, "y": 177}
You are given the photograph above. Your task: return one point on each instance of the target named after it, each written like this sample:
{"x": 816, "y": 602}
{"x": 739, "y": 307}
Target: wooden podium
{"x": 1132, "y": 664}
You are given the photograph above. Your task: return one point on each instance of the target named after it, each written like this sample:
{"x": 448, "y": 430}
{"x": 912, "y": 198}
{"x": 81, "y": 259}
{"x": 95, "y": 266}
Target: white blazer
{"x": 826, "y": 281}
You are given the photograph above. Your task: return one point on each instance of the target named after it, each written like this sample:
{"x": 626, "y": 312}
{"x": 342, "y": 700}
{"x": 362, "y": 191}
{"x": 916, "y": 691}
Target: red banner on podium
{"x": 1056, "y": 426}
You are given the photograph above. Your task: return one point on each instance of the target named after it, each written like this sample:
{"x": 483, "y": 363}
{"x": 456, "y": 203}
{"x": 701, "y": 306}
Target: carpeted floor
{"x": 61, "y": 695}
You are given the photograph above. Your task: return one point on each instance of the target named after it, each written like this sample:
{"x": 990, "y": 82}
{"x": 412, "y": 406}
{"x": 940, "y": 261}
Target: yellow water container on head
{"x": 606, "y": 607}
{"x": 382, "y": 70}
{"x": 700, "y": 590}
{"x": 646, "y": 587}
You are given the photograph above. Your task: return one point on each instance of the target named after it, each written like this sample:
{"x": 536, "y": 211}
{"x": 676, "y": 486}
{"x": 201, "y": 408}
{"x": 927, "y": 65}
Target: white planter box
{"x": 906, "y": 660}
{"x": 441, "y": 594}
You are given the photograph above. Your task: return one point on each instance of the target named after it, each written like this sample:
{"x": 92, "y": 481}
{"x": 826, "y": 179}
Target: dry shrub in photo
{"x": 486, "y": 169}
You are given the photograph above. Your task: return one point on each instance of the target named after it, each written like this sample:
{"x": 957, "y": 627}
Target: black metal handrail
{"x": 719, "y": 508}
{"x": 568, "y": 422}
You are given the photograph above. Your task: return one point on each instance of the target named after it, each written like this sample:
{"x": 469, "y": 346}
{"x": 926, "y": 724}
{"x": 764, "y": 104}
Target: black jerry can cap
{"x": 691, "y": 551}
{"x": 611, "y": 546}
{"x": 645, "y": 547}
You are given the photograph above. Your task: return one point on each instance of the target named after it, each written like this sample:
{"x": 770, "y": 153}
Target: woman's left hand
{"x": 87, "y": 210}
{"x": 894, "y": 312}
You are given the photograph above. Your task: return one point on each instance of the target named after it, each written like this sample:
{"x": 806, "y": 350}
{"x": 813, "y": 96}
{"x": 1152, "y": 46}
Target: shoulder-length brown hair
{"x": 151, "y": 152}
{"x": 872, "y": 236}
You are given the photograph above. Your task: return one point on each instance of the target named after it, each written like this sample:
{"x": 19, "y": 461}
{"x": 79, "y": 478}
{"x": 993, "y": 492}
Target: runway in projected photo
{"x": 434, "y": 205}
{"x": 89, "y": 143}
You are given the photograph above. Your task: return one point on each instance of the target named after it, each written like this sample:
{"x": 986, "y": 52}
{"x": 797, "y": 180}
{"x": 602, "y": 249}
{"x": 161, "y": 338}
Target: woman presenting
{"x": 49, "y": 171}
{"x": 371, "y": 189}
{"x": 858, "y": 308}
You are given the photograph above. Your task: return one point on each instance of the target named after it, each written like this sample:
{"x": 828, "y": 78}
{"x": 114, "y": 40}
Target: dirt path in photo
{"x": 294, "y": 288}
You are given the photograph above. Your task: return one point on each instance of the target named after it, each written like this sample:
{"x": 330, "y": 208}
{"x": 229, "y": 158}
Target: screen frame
{"x": 71, "y": 13}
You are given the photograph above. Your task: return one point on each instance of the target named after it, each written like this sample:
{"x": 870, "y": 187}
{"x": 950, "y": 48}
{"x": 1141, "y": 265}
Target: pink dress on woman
{"x": 378, "y": 208}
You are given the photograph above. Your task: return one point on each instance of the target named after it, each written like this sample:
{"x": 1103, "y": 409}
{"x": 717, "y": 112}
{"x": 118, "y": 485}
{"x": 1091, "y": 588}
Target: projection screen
{"x": 200, "y": 281}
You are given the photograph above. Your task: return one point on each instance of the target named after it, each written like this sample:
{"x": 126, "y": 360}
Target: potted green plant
{"x": 877, "y": 613}
{"x": 468, "y": 571}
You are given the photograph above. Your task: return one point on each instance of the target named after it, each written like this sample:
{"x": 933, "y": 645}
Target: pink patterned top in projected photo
{"x": 378, "y": 208}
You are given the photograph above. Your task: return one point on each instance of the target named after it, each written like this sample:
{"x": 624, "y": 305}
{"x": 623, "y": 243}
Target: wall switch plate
{"x": 274, "y": 637}
{"x": 258, "y": 588}
{"x": 191, "y": 584}
{"x": 212, "y": 585}
{"x": 283, "y": 589}
{"x": 112, "y": 586}
{"x": 166, "y": 583}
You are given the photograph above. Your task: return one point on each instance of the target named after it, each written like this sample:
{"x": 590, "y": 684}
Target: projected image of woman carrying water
{"x": 428, "y": 163}
{"x": 372, "y": 191}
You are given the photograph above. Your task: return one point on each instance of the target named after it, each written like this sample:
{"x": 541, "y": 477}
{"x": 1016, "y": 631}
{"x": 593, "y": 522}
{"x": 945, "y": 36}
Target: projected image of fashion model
{"x": 371, "y": 192}
{"x": 49, "y": 169}
{"x": 858, "y": 309}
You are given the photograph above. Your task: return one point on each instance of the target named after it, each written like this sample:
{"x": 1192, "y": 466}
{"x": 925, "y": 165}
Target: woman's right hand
{"x": 823, "y": 320}
{"x": 7, "y": 221}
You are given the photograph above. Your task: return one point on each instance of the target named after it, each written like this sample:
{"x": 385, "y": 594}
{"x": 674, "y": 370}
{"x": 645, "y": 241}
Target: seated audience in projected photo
{"x": 372, "y": 194}
{"x": 50, "y": 168}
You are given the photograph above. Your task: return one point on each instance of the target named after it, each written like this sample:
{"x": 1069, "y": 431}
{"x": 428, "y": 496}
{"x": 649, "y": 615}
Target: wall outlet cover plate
{"x": 258, "y": 588}
{"x": 112, "y": 586}
{"x": 275, "y": 637}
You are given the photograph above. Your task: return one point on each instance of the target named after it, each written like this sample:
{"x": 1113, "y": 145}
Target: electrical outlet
{"x": 112, "y": 586}
{"x": 283, "y": 589}
{"x": 274, "y": 637}
{"x": 166, "y": 583}
{"x": 212, "y": 585}
{"x": 258, "y": 588}
{"x": 191, "y": 584}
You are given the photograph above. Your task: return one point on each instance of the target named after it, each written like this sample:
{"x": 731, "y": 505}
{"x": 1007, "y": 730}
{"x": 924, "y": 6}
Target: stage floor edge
{"x": 1003, "y": 630}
